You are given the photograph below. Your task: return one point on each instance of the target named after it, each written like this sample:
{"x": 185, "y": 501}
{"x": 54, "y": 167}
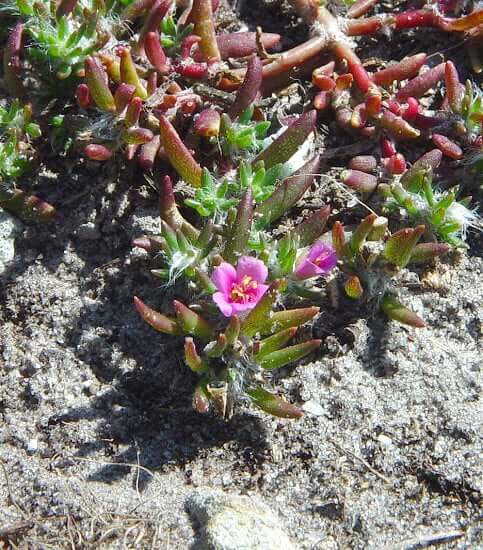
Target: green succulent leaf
{"x": 211, "y": 197}
{"x": 272, "y": 404}
{"x": 173, "y": 34}
{"x": 287, "y": 248}
{"x": 243, "y": 136}
{"x": 285, "y": 356}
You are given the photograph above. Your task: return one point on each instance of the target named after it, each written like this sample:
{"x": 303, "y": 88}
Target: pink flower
{"x": 320, "y": 259}
{"x": 239, "y": 289}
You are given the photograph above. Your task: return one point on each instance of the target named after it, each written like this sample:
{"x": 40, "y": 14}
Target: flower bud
{"x": 207, "y": 124}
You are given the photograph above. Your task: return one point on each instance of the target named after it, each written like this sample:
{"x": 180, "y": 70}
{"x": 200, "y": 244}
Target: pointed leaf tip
{"x": 287, "y": 144}
{"x": 192, "y": 323}
{"x": 158, "y": 321}
{"x": 192, "y": 358}
{"x": 274, "y": 405}
{"x": 397, "y": 312}
{"x": 401, "y": 244}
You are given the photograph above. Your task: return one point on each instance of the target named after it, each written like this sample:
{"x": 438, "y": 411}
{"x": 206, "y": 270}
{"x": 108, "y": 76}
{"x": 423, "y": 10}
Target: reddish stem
{"x": 361, "y": 77}
{"x": 416, "y": 18}
{"x": 243, "y": 44}
{"x": 307, "y": 9}
{"x": 294, "y": 57}
{"x": 466, "y": 23}
{"x": 359, "y": 27}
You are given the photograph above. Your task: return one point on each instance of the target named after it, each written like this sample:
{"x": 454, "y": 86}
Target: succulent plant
{"x": 231, "y": 358}
{"x": 370, "y": 257}
{"x": 413, "y": 192}
{"x": 173, "y": 34}
{"x": 245, "y": 277}
{"x": 17, "y": 133}
{"x": 56, "y": 38}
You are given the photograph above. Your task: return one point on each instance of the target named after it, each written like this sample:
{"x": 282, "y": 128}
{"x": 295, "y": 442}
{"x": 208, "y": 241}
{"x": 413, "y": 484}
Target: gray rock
{"x": 9, "y": 229}
{"x": 232, "y": 522}
{"x": 144, "y": 222}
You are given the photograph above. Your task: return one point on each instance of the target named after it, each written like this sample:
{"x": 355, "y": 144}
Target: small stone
{"x": 385, "y": 440}
{"x": 313, "y": 407}
{"x": 232, "y": 522}
{"x": 32, "y": 445}
{"x": 9, "y": 229}
{"x": 144, "y": 222}
{"x": 87, "y": 387}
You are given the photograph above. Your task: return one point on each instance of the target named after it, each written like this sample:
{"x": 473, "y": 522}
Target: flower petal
{"x": 306, "y": 269}
{"x": 252, "y": 267}
{"x": 224, "y": 276}
{"x": 320, "y": 259}
{"x": 260, "y": 291}
{"x": 225, "y": 307}
{"x": 317, "y": 249}
{"x": 329, "y": 261}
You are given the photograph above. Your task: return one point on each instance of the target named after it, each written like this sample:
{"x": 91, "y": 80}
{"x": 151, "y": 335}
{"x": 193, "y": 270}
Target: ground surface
{"x": 100, "y": 447}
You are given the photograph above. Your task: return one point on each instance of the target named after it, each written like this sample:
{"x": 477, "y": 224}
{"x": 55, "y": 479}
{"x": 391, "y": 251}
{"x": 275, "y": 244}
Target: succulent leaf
{"x": 257, "y": 318}
{"x": 287, "y": 194}
{"x": 285, "y": 356}
{"x": 272, "y": 404}
{"x": 397, "y": 312}
{"x": 158, "y": 321}
{"x": 192, "y": 323}
{"x": 274, "y": 342}
{"x": 399, "y": 247}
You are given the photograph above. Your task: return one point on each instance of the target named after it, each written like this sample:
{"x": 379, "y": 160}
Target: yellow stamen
{"x": 241, "y": 291}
